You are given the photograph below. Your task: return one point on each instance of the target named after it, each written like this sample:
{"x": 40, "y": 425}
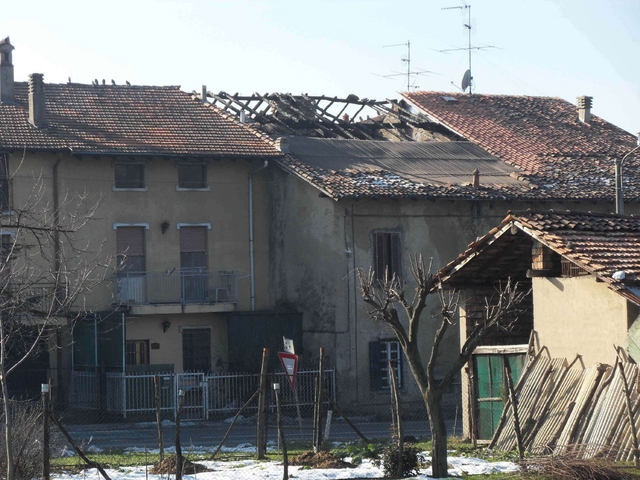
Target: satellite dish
{"x": 466, "y": 80}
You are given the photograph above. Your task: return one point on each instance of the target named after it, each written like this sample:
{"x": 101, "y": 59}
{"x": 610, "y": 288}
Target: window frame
{"x": 390, "y": 236}
{"x": 117, "y": 188}
{"x": 379, "y": 380}
{"x": 137, "y": 352}
{"x": 122, "y": 271}
{"x": 205, "y": 183}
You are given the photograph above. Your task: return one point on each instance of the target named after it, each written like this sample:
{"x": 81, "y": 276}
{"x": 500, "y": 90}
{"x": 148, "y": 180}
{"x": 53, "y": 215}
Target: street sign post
{"x": 290, "y": 364}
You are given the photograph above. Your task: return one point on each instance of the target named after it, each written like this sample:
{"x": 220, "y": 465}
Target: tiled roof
{"x": 129, "y": 120}
{"x": 602, "y": 244}
{"x": 368, "y": 168}
{"x": 543, "y": 137}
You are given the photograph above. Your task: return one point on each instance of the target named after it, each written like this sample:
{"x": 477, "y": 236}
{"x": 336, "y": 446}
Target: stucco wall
{"x": 317, "y": 244}
{"x": 170, "y": 342}
{"x": 579, "y": 316}
{"x": 224, "y": 206}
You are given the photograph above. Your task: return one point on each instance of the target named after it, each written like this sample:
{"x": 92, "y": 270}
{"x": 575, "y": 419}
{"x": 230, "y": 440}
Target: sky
{"x": 559, "y": 48}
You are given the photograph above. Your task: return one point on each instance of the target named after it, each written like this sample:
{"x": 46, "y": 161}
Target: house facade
{"x": 581, "y": 273}
{"x": 175, "y": 195}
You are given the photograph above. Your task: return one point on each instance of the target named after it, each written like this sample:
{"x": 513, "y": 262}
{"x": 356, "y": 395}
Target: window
{"x": 386, "y": 254}
{"x": 193, "y": 264}
{"x": 192, "y": 176}
{"x": 380, "y": 354}
{"x": 193, "y": 248}
{"x": 137, "y": 352}
{"x": 131, "y": 251}
{"x": 4, "y": 184}
{"x": 129, "y": 176}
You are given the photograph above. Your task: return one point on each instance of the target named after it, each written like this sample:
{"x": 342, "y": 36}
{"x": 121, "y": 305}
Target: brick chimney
{"x": 584, "y": 108}
{"x": 6, "y": 72}
{"x": 37, "y": 113}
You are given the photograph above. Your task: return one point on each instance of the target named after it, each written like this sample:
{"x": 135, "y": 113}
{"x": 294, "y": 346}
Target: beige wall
{"x": 579, "y": 316}
{"x": 225, "y": 207}
{"x": 318, "y": 243}
{"x": 170, "y": 351}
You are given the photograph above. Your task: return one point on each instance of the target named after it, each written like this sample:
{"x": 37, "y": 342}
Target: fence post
{"x": 179, "y": 462}
{"x": 262, "y": 398}
{"x": 285, "y": 458}
{"x": 45, "y": 432}
{"x": 156, "y": 384}
{"x": 318, "y": 420}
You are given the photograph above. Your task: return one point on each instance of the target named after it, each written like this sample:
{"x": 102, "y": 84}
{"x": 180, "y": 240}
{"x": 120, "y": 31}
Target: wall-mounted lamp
{"x": 165, "y": 326}
{"x": 165, "y": 226}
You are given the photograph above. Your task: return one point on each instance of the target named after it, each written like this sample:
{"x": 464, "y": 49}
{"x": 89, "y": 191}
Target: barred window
{"x": 381, "y": 353}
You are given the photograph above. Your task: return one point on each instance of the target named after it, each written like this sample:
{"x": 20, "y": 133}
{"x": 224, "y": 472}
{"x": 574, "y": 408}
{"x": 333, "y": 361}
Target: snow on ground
{"x": 254, "y": 469}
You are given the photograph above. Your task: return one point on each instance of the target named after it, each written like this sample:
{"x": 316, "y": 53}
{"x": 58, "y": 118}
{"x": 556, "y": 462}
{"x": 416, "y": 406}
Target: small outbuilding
{"x": 582, "y": 271}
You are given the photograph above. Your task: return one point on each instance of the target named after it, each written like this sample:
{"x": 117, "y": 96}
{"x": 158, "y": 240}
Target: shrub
{"x": 389, "y": 461}
{"x": 27, "y": 440}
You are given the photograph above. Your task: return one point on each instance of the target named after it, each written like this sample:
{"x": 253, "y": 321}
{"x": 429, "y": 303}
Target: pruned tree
{"x": 46, "y": 268}
{"x": 386, "y": 299}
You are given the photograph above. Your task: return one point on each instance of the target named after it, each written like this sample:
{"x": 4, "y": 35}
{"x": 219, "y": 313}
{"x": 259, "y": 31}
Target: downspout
{"x": 251, "y": 258}
{"x": 618, "y": 180}
{"x": 56, "y": 219}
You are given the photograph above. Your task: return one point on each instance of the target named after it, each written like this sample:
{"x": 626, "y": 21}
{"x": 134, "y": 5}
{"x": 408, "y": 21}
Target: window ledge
{"x": 185, "y": 189}
{"x": 117, "y": 189}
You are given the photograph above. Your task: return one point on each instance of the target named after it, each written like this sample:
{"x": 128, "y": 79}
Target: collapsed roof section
{"x": 278, "y": 114}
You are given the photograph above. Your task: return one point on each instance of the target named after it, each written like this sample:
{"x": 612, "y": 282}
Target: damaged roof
{"x": 368, "y": 168}
{"x": 604, "y": 245}
{"x": 541, "y": 136}
{"x": 127, "y": 120}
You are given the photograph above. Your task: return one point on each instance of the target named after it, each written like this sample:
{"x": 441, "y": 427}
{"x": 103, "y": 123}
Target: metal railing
{"x": 176, "y": 286}
{"x": 205, "y": 395}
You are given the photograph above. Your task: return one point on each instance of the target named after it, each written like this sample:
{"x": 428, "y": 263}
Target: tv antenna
{"x": 408, "y": 62}
{"x": 467, "y": 79}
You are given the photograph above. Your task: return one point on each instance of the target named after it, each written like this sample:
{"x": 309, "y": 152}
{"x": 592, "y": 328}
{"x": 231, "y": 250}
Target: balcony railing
{"x": 176, "y": 287}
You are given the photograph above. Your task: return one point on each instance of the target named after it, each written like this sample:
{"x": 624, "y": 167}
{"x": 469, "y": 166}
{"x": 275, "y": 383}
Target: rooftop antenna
{"x": 408, "y": 62}
{"x": 467, "y": 79}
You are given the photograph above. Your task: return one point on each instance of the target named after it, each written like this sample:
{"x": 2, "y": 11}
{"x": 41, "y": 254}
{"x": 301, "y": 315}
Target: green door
{"x": 491, "y": 388}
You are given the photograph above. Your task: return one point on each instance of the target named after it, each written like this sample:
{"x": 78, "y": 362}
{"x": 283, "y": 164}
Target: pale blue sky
{"x": 546, "y": 47}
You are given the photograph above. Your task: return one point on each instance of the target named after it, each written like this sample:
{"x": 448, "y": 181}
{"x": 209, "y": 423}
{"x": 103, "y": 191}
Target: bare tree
{"x": 386, "y": 295}
{"x": 46, "y": 268}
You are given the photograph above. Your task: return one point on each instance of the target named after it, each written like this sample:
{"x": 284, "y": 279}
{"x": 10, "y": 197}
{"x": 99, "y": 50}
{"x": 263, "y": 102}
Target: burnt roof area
{"x": 320, "y": 116}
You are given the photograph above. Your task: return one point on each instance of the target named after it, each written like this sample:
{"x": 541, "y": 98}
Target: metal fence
{"x": 205, "y": 394}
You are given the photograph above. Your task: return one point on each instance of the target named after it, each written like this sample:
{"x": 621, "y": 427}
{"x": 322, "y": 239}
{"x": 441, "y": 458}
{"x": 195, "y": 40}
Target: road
{"x": 208, "y": 434}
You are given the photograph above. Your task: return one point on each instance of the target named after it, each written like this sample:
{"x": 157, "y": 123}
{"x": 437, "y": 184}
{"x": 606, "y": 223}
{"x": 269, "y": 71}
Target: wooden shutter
{"x": 374, "y": 366}
{"x": 130, "y": 241}
{"x": 193, "y": 239}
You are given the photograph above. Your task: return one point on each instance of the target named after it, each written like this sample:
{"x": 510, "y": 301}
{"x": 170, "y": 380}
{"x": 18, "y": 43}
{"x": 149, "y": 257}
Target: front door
{"x": 196, "y": 350}
{"x": 491, "y": 388}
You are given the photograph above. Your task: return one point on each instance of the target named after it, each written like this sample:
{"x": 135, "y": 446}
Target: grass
{"x": 118, "y": 459}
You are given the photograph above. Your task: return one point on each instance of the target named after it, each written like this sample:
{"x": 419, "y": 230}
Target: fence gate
{"x": 195, "y": 395}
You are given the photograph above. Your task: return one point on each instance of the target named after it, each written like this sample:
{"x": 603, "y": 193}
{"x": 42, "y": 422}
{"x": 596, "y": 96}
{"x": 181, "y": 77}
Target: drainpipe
{"x": 56, "y": 218}
{"x": 619, "y": 192}
{"x": 251, "y": 259}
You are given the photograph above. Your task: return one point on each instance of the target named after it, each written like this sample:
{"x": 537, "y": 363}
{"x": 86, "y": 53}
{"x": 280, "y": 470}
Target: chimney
{"x": 475, "y": 183}
{"x": 37, "y": 114}
{"x": 6, "y": 72}
{"x": 203, "y": 95}
{"x": 584, "y": 108}
{"x": 282, "y": 144}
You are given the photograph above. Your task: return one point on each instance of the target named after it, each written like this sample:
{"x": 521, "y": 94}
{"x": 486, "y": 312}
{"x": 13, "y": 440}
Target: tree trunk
{"x": 433, "y": 402}
{"x": 6, "y": 404}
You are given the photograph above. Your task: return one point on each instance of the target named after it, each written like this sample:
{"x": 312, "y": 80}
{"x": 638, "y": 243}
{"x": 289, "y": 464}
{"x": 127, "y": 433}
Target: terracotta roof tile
{"x": 131, "y": 120}
{"x": 544, "y": 138}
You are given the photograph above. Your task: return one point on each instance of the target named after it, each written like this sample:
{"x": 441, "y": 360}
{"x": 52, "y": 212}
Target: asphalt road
{"x": 208, "y": 434}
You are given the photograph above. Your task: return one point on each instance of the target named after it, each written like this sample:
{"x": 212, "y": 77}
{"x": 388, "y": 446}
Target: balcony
{"x": 176, "y": 291}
